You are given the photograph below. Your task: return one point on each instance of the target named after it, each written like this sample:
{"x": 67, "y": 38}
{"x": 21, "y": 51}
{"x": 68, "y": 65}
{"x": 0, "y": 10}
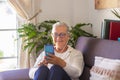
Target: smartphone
{"x": 49, "y": 49}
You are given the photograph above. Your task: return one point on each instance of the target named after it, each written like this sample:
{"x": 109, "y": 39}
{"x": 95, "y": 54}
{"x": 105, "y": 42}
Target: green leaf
{"x": 115, "y": 12}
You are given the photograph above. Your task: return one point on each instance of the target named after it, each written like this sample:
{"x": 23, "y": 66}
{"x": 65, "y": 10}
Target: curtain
{"x": 28, "y": 10}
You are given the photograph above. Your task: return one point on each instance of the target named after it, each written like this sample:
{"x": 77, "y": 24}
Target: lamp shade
{"x": 105, "y": 4}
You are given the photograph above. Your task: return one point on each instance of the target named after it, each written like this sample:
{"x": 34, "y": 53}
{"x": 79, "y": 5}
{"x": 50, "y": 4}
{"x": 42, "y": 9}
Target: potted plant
{"x": 38, "y": 35}
{"x": 35, "y": 36}
{"x": 77, "y": 31}
{"x": 116, "y": 13}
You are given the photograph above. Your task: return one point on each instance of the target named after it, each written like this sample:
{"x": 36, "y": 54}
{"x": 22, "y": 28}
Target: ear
{"x": 69, "y": 36}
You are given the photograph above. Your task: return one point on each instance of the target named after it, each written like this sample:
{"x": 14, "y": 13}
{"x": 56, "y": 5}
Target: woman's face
{"x": 60, "y": 37}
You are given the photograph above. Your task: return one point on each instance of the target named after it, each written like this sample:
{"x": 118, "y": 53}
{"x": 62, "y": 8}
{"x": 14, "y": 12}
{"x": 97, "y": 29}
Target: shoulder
{"x": 74, "y": 51}
{"x": 75, "y": 54}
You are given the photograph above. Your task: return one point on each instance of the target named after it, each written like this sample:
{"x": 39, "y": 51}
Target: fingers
{"x": 40, "y": 64}
{"x": 51, "y": 55}
{"x": 44, "y": 62}
{"x": 52, "y": 59}
{"x": 55, "y": 60}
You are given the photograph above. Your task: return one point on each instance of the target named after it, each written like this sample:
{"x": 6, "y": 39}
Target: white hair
{"x": 60, "y": 24}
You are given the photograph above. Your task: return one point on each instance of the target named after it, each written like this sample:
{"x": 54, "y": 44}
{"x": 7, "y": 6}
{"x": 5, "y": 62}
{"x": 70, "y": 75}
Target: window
{"x": 8, "y": 36}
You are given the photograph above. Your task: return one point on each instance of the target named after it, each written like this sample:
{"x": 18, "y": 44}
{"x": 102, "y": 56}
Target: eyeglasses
{"x": 60, "y": 35}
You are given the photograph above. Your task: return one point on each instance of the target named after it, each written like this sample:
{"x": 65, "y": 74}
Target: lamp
{"x": 104, "y": 4}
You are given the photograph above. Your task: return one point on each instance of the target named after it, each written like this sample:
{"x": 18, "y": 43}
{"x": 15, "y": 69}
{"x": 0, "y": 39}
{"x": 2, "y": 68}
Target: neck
{"x": 61, "y": 50}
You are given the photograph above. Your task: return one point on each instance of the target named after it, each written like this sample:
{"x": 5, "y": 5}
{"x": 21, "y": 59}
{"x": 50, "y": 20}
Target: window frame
{"x": 17, "y": 41}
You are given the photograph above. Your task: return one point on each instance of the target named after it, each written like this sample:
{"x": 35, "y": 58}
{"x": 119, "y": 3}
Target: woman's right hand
{"x": 44, "y": 62}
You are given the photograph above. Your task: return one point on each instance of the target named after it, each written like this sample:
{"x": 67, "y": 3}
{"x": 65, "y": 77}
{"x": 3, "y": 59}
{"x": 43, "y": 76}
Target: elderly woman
{"x": 66, "y": 63}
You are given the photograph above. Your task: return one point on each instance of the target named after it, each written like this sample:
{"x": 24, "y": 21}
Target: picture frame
{"x": 105, "y": 4}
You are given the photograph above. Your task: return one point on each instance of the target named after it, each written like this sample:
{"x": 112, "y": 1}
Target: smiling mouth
{"x": 59, "y": 41}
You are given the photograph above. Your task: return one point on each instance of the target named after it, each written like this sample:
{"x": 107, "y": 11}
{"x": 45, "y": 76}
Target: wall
{"x": 57, "y": 10}
{"x": 72, "y": 11}
{"x": 75, "y": 11}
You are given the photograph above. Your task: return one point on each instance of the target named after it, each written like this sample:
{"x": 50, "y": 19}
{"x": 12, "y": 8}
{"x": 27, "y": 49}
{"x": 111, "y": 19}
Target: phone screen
{"x": 49, "y": 49}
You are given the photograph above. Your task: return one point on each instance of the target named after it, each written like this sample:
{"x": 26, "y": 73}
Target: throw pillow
{"x": 105, "y": 69}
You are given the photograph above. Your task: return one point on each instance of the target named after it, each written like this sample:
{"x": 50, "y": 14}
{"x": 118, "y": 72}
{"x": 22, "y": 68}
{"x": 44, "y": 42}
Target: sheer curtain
{"x": 28, "y": 10}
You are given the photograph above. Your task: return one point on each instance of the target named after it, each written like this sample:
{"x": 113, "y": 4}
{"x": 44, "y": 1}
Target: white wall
{"x": 57, "y": 10}
{"x": 75, "y": 11}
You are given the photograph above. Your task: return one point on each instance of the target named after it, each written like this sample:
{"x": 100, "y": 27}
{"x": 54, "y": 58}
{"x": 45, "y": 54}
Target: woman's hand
{"x": 44, "y": 62}
{"x": 55, "y": 60}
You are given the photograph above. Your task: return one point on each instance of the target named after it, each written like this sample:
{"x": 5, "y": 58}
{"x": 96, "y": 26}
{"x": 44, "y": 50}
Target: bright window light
{"x": 8, "y": 36}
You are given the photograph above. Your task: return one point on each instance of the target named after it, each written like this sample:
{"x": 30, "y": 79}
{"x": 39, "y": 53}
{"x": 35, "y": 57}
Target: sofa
{"x": 90, "y": 47}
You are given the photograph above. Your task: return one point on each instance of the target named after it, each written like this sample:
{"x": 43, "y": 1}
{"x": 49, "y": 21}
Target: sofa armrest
{"x": 18, "y": 74}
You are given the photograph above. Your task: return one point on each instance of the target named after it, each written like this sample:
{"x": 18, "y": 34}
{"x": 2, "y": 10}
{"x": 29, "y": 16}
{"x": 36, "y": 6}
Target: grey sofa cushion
{"x": 19, "y": 74}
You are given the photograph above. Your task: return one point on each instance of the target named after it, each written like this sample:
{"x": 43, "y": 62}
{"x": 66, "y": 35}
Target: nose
{"x": 58, "y": 39}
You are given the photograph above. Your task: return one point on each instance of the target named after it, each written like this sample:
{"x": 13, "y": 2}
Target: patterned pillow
{"x": 105, "y": 69}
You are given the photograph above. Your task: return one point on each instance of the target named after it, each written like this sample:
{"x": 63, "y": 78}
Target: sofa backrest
{"x": 91, "y": 47}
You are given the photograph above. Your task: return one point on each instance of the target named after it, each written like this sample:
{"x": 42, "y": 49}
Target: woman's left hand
{"x": 55, "y": 60}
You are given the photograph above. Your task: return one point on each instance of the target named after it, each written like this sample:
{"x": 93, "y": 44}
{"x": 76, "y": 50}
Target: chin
{"x": 59, "y": 44}
{"x": 61, "y": 47}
